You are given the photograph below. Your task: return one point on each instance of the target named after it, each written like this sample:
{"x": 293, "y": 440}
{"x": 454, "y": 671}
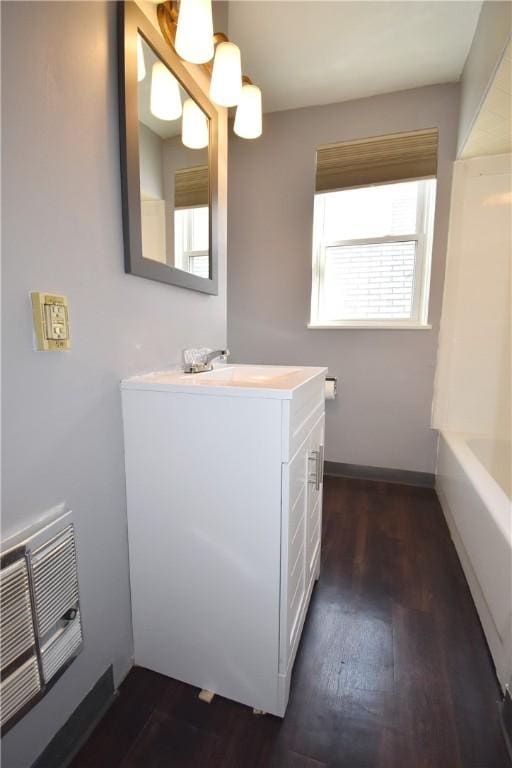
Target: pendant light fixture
{"x": 165, "y": 101}
{"x": 194, "y": 128}
{"x": 187, "y": 26}
{"x": 248, "y": 113}
{"x": 141, "y": 66}
{"x": 226, "y": 82}
{"x": 194, "y": 33}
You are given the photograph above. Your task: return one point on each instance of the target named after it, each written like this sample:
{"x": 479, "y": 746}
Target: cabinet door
{"x": 293, "y": 543}
{"x": 314, "y": 495}
{"x": 300, "y": 542}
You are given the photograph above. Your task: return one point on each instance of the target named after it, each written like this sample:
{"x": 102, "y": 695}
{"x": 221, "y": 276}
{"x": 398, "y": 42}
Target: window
{"x": 191, "y": 240}
{"x": 372, "y": 235}
{"x": 371, "y": 255}
{"x": 192, "y": 220}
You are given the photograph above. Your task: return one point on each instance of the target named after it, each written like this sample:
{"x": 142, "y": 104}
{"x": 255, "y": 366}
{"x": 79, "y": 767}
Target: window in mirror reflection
{"x": 191, "y": 240}
{"x": 174, "y": 176}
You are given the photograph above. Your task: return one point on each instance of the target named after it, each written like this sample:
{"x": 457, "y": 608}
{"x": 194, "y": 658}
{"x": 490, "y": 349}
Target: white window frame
{"x": 421, "y": 286}
{"x": 187, "y": 251}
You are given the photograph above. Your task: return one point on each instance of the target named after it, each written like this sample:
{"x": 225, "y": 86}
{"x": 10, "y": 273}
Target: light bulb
{"x": 165, "y": 102}
{"x": 194, "y": 33}
{"x": 248, "y": 113}
{"x": 141, "y": 66}
{"x": 226, "y": 84}
{"x": 194, "y": 129}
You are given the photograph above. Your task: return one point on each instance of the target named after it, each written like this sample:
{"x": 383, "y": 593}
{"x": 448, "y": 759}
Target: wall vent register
{"x": 40, "y": 625}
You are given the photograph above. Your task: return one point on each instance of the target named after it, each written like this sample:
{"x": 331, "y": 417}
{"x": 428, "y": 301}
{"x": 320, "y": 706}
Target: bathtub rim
{"x": 487, "y": 487}
{"x": 487, "y": 491}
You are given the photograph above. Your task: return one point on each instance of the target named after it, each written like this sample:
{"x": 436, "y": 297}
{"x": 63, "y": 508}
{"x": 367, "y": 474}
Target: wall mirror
{"x": 169, "y": 158}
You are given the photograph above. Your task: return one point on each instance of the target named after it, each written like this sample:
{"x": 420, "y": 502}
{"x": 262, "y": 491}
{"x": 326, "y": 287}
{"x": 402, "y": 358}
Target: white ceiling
{"x": 316, "y": 52}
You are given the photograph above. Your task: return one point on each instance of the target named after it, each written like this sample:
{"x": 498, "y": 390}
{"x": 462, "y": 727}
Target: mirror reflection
{"x": 174, "y": 173}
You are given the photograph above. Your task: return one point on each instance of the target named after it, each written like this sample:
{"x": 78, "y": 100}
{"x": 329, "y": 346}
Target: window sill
{"x": 373, "y": 326}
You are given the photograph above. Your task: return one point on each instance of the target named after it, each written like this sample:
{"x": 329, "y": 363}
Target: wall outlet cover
{"x": 51, "y": 321}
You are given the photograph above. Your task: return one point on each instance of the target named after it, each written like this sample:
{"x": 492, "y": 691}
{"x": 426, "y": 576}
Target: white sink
{"x": 267, "y": 380}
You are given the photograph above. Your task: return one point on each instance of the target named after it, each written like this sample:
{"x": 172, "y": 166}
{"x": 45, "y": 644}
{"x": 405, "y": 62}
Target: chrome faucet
{"x": 206, "y": 362}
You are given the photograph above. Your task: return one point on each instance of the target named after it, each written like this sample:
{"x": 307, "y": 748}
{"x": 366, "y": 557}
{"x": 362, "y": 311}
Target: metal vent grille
{"x": 60, "y": 648}
{"x": 40, "y": 625}
{"x": 19, "y": 688}
{"x": 55, "y": 579}
{"x": 16, "y": 628}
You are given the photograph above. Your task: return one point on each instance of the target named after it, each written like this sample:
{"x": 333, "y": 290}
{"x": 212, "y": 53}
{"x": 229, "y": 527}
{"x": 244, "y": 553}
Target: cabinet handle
{"x": 317, "y": 457}
{"x": 313, "y": 478}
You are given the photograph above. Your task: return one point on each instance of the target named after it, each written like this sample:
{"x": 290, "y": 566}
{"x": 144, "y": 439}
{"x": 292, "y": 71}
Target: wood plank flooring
{"x": 392, "y": 671}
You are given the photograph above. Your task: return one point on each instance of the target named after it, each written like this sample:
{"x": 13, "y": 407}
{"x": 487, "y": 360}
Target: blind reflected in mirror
{"x": 174, "y": 170}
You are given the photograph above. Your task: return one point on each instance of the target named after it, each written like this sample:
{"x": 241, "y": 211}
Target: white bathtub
{"x": 473, "y": 485}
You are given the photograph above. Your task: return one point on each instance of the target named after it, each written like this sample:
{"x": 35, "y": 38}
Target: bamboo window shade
{"x": 191, "y": 187}
{"x": 377, "y": 160}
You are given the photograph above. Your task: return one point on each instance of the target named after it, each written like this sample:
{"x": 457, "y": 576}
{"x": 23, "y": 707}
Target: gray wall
{"x": 382, "y": 414}
{"x": 62, "y": 427}
{"x": 491, "y": 38}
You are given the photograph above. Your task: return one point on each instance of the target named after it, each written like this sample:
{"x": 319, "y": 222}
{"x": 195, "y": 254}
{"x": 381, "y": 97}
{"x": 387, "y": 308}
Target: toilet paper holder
{"x": 331, "y": 387}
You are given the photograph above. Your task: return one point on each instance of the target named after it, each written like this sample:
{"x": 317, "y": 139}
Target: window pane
{"x": 199, "y": 229}
{"x": 200, "y": 265}
{"x": 388, "y": 209}
{"x": 191, "y": 235}
{"x": 180, "y": 222}
{"x": 365, "y": 282}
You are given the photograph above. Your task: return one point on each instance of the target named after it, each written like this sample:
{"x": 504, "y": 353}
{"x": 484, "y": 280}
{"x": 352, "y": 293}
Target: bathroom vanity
{"x": 224, "y": 484}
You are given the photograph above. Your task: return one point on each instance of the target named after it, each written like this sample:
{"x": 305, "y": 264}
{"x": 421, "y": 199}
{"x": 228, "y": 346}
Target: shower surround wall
{"x": 382, "y": 415}
{"x": 472, "y": 405}
{"x": 62, "y": 232}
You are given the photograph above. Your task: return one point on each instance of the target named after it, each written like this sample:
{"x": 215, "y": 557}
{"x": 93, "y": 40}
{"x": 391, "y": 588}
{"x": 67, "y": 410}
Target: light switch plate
{"x": 51, "y": 321}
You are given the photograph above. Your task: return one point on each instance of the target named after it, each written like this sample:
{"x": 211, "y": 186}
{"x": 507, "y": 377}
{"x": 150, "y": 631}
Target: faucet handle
{"x": 200, "y": 360}
{"x": 194, "y": 355}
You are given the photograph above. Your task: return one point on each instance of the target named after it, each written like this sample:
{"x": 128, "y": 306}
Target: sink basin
{"x": 245, "y": 374}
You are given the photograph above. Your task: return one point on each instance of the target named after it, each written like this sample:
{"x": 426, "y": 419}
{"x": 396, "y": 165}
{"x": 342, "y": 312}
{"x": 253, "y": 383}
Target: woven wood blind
{"x": 191, "y": 187}
{"x": 377, "y": 160}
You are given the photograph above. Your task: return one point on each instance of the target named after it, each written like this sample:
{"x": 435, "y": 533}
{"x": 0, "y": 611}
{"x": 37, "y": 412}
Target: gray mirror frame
{"x": 131, "y": 22}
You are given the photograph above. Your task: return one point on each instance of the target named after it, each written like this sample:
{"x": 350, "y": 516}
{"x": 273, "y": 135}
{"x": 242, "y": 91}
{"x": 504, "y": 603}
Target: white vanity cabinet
{"x": 224, "y": 489}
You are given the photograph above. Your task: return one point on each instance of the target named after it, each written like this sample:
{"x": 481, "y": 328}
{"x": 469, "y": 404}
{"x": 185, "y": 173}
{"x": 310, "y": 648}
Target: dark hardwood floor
{"x": 392, "y": 672}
